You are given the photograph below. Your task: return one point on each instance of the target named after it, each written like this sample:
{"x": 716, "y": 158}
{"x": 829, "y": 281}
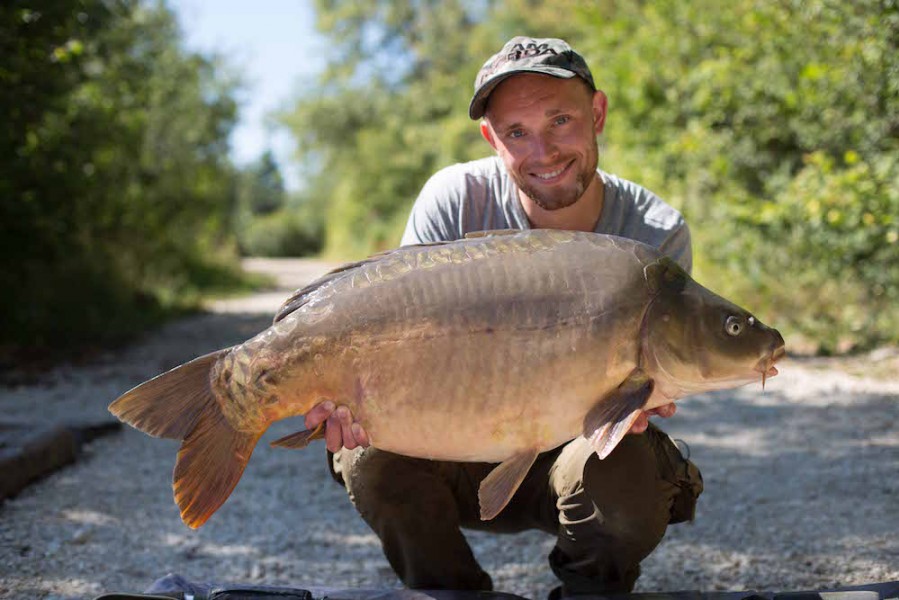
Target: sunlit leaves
{"x": 117, "y": 188}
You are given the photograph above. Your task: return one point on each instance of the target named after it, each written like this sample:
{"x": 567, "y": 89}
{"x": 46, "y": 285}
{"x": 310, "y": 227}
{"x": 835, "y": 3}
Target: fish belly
{"x": 472, "y": 398}
{"x": 489, "y": 350}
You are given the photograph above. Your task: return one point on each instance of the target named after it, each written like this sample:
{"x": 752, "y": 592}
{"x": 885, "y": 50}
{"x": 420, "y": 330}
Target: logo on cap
{"x": 520, "y": 50}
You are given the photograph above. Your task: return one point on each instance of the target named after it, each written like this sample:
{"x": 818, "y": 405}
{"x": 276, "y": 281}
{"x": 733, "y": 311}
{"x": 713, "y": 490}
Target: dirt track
{"x": 802, "y": 483}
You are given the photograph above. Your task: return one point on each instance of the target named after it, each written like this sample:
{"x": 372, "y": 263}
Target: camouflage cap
{"x": 549, "y": 56}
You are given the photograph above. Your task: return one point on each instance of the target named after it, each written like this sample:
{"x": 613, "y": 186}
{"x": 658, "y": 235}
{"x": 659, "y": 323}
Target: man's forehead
{"x": 528, "y": 91}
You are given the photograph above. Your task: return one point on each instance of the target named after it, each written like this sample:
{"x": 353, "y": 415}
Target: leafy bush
{"x": 117, "y": 183}
{"x": 836, "y": 233}
{"x": 773, "y": 127}
{"x": 282, "y": 233}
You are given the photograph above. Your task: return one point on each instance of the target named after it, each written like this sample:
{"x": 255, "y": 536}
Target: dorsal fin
{"x": 301, "y": 296}
{"x": 491, "y": 232}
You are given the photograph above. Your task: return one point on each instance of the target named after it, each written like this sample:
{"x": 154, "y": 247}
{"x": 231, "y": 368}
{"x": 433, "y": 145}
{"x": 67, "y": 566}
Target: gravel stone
{"x": 801, "y": 487}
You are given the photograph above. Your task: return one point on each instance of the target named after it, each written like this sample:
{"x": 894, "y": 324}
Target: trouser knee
{"x": 410, "y": 505}
{"x": 631, "y": 504}
{"x": 614, "y": 512}
{"x": 376, "y": 480}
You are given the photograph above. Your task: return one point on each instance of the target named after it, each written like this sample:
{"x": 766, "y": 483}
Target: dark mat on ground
{"x": 175, "y": 586}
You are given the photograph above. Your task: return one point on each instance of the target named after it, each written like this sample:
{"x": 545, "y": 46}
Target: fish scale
{"x": 488, "y": 349}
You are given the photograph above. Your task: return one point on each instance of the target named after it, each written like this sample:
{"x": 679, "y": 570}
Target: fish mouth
{"x": 766, "y": 367}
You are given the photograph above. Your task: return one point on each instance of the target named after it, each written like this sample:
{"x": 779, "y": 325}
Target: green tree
{"x": 116, "y": 185}
{"x": 390, "y": 111}
{"x": 262, "y": 188}
{"x": 270, "y": 225}
{"x": 754, "y": 117}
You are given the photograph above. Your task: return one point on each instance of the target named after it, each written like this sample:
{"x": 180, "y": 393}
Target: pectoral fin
{"x": 500, "y": 485}
{"x": 300, "y": 439}
{"x": 613, "y": 416}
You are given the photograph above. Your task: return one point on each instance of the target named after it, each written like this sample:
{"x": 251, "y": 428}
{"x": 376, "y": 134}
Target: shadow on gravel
{"x": 830, "y": 424}
{"x": 801, "y": 490}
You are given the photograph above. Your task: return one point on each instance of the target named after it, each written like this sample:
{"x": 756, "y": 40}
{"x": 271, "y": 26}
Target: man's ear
{"x": 487, "y": 133}
{"x": 600, "y": 108}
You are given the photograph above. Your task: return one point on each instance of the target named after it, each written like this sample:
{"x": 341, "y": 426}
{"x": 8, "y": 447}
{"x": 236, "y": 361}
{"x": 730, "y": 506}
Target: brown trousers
{"x": 607, "y": 515}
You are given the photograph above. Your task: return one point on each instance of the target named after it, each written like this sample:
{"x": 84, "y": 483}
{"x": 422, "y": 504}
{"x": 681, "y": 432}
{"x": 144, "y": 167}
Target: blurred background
{"x": 147, "y": 146}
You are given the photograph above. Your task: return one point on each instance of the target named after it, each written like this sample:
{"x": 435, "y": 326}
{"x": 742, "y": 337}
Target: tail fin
{"x": 179, "y": 404}
{"x": 169, "y": 405}
{"x": 210, "y": 463}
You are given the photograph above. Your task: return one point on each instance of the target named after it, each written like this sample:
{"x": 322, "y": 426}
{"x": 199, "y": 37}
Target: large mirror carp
{"x": 488, "y": 349}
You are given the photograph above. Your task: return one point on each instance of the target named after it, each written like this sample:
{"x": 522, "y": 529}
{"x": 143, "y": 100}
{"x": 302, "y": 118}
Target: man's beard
{"x": 555, "y": 199}
{"x": 561, "y": 198}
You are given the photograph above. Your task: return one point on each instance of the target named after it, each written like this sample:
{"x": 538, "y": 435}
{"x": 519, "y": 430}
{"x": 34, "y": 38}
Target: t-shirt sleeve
{"x": 678, "y": 245}
{"x": 435, "y": 215}
{"x": 634, "y": 212}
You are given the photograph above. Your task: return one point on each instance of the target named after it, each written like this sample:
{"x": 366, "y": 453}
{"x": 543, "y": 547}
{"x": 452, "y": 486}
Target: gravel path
{"x": 801, "y": 492}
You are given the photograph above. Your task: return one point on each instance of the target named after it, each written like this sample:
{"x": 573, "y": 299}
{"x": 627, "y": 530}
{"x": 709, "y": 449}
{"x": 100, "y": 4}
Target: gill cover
{"x": 695, "y": 339}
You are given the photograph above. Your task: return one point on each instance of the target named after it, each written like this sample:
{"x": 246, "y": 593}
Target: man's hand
{"x": 642, "y": 422}
{"x": 340, "y": 429}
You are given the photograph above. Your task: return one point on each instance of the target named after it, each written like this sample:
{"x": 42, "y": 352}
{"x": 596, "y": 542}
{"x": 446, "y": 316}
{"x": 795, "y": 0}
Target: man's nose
{"x": 545, "y": 146}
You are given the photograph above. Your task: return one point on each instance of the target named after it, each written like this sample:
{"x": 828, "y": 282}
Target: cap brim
{"x": 478, "y": 105}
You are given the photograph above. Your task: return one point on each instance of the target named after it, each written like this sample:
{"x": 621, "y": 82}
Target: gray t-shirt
{"x": 480, "y": 195}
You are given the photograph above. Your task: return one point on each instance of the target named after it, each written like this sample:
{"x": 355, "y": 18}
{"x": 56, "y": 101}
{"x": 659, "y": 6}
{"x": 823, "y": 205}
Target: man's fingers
{"x": 318, "y": 414}
{"x": 340, "y": 430}
{"x": 333, "y": 434}
{"x": 640, "y": 424}
{"x": 346, "y": 427}
{"x": 664, "y": 411}
{"x": 361, "y": 435}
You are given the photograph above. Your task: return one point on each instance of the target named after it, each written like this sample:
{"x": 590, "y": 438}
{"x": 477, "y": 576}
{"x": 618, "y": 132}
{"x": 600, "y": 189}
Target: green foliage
{"x": 267, "y": 224}
{"x": 750, "y": 115}
{"x": 837, "y": 234}
{"x": 286, "y": 232}
{"x": 390, "y": 112}
{"x": 117, "y": 187}
{"x": 262, "y": 187}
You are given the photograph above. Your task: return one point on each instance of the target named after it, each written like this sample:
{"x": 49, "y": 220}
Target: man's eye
{"x": 516, "y": 133}
{"x": 562, "y": 120}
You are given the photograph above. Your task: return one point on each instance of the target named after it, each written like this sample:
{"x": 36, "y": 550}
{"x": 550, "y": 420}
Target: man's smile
{"x": 551, "y": 176}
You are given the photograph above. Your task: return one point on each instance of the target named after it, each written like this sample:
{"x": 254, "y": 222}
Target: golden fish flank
{"x": 488, "y": 349}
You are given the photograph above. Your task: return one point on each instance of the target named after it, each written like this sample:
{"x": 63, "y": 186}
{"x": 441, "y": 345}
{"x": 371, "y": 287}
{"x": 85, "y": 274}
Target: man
{"x": 541, "y": 112}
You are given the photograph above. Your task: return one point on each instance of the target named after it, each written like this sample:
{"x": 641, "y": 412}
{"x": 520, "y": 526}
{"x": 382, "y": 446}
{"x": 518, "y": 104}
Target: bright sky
{"x": 275, "y": 46}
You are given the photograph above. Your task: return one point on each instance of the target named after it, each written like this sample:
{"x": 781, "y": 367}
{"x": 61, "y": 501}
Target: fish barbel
{"x": 491, "y": 349}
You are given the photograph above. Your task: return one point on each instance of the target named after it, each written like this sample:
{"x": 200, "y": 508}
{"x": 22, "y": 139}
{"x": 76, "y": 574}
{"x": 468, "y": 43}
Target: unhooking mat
{"x": 175, "y": 586}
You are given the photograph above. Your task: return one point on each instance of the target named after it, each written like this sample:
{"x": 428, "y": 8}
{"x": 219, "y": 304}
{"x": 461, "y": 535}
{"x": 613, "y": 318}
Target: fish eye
{"x": 734, "y": 325}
